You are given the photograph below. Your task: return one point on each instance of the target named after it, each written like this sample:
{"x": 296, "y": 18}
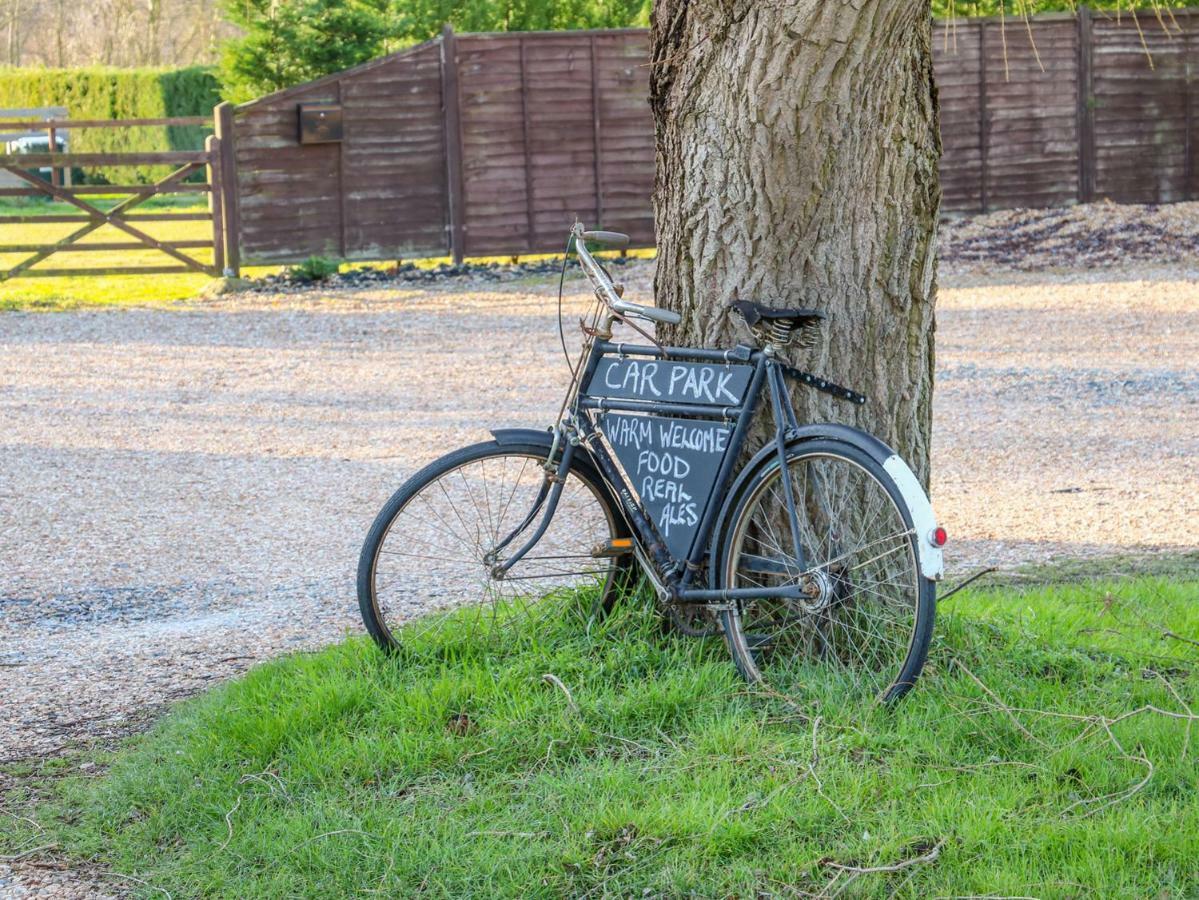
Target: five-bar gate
{"x": 125, "y": 216}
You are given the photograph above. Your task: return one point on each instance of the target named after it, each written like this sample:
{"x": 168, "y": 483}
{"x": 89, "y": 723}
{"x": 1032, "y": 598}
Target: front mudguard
{"x": 523, "y": 436}
{"x": 924, "y": 521}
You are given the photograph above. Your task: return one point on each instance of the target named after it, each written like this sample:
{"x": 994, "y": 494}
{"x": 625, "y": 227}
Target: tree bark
{"x": 797, "y": 152}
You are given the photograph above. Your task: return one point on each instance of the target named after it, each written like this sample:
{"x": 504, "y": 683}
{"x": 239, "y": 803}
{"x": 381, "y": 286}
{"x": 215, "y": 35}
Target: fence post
{"x": 52, "y": 147}
{"x": 984, "y": 129}
{"x": 597, "y": 138}
{"x": 1188, "y": 148}
{"x": 212, "y": 146}
{"x": 231, "y": 215}
{"x": 524, "y": 142}
{"x": 451, "y": 112}
{"x": 1086, "y": 110}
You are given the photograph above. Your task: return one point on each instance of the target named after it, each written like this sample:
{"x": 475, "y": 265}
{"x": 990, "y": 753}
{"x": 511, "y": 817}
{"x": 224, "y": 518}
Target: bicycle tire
{"x": 813, "y": 631}
{"x": 429, "y": 572}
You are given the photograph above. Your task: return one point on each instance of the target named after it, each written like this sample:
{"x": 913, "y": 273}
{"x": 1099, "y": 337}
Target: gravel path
{"x": 185, "y": 490}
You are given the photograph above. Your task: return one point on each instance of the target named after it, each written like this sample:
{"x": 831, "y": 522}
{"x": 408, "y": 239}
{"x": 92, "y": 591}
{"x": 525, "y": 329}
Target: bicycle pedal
{"x": 613, "y": 548}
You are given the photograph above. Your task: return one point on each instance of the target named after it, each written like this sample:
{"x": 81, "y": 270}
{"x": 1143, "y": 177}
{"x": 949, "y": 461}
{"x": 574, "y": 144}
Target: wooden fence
{"x": 492, "y": 144}
{"x": 483, "y": 144}
{"x": 472, "y": 145}
{"x": 1092, "y": 106}
{"x": 90, "y": 217}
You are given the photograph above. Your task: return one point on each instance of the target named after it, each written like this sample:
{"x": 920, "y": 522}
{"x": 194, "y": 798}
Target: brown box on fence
{"x": 320, "y": 123}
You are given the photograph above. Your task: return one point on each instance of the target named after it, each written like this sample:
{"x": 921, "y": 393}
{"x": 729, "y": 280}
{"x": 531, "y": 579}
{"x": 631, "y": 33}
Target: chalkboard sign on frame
{"x": 672, "y": 464}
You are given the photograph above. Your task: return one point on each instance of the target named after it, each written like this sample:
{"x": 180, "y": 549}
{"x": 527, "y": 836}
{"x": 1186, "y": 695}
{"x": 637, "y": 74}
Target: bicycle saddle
{"x": 753, "y": 313}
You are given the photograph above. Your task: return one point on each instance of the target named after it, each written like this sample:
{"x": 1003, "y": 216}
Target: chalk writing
{"x": 671, "y": 382}
{"x": 673, "y": 464}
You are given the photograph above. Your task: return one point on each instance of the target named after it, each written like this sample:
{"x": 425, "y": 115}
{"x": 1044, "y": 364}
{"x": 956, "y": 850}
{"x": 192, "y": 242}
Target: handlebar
{"x": 625, "y": 308}
{"x": 613, "y": 239}
{"x": 604, "y": 288}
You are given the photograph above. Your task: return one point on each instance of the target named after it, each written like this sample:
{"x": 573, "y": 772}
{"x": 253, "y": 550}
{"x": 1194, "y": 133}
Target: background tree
{"x": 286, "y": 42}
{"x": 126, "y": 33}
{"x": 797, "y": 151}
{"x": 418, "y": 20}
{"x": 187, "y": 32}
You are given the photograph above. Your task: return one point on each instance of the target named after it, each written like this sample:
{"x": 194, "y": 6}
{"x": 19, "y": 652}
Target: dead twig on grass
{"x": 1111, "y": 603}
{"x": 33, "y": 851}
{"x": 229, "y": 825}
{"x": 928, "y": 856}
{"x": 816, "y": 778}
{"x": 1115, "y": 797}
{"x": 1092, "y": 724}
{"x": 1186, "y": 741}
{"x": 855, "y": 872}
{"x": 808, "y": 772}
{"x": 1011, "y": 715}
{"x": 13, "y": 815}
{"x": 141, "y": 881}
{"x": 262, "y": 777}
{"x": 519, "y": 834}
{"x": 969, "y": 581}
{"x": 550, "y": 678}
{"x": 326, "y": 834}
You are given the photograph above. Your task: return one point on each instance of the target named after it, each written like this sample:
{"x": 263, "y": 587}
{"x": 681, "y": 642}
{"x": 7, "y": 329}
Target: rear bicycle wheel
{"x": 425, "y": 573}
{"x": 864, "y": 624}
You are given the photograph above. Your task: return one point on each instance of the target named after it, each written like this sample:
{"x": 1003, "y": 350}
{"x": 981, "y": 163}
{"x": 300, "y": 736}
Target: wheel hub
{"x": 818, "y": 590}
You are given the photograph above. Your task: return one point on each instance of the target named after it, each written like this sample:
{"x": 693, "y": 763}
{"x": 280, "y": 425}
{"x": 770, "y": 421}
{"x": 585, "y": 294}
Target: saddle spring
{"x": 781, "y": 333}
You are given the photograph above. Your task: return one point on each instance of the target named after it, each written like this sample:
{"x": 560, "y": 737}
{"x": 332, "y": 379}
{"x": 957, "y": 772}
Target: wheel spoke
{"x": 428, "y": 576}
{"x": 861, "y": 582}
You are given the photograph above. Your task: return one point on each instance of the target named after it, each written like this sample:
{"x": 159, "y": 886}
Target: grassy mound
{"x": 644, "y": 767}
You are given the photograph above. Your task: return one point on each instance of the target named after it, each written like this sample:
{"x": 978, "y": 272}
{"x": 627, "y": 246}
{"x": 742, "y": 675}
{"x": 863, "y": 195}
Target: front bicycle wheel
{"x": 426, "y": 573}
{"x": 863, "y": 625}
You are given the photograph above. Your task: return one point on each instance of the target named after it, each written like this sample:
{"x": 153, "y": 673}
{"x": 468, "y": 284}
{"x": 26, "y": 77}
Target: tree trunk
{"x": 797, "y": 166}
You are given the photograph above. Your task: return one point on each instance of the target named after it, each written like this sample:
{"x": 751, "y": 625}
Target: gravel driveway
{"x": 184, "y": 491}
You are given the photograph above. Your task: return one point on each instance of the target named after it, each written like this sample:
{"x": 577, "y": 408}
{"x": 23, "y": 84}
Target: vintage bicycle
{"x": 816, "y": 558}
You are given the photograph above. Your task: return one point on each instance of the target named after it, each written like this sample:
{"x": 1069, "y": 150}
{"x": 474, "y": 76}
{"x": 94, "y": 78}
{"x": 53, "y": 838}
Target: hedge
{"x": 110, "y": 93}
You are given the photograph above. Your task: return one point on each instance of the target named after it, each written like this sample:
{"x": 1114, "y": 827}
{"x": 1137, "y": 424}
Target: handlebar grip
{"x": 613, "y": 239}
{"x": 665, "y": 316}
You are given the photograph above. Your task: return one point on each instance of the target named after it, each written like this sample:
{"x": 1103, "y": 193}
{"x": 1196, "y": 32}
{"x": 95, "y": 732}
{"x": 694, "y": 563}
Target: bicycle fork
{"x": 546, "y": 504}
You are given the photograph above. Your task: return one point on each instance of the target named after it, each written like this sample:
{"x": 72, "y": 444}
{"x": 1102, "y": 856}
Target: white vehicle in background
{"x": 36, "y": 143}
{"x": 29, "y": 140}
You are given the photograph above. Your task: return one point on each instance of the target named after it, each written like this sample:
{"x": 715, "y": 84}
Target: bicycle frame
{"x": 581, "y": 424}
{"x": 679, "y": 573}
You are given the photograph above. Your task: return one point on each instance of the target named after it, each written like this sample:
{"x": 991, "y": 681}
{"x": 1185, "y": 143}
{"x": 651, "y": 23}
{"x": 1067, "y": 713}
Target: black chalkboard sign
{"x": 665, "y": 381}
{"x": 672, "y": 464}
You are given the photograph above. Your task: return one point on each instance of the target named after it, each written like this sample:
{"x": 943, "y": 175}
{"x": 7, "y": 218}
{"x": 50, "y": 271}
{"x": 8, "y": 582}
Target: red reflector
{"x": 939, "y": 537}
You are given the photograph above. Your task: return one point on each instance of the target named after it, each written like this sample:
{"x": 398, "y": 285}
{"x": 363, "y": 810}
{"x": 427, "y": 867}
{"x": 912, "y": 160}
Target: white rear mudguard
{"x": 932, "y": 561}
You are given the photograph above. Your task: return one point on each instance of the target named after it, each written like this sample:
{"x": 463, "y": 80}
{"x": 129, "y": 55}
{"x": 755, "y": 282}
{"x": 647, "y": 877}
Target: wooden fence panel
{"x": 554, "y": 127}
{"x": 561, "y": 141}
{"x": 1031, "y": 123}
{"x": 495, "y": 169}
{"x": 289, "y": 194}
{"x": 626, "y": 126}
{"x": 1140, "y": 109}
{"x": 379, "y": 193}
{"x": 394, "y": 200}
{"x": 961, "y": 79}
{"x": 1192, "y": 112}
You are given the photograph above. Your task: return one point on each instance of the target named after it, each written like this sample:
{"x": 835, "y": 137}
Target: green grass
{"x": 100, "y": 290}
{"x": 453, "y": 773}
{"x": 74, "y": 292}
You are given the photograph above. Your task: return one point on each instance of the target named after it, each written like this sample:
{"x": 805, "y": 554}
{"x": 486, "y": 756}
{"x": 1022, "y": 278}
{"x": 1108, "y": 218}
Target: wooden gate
{"x": 122, "y": 216}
